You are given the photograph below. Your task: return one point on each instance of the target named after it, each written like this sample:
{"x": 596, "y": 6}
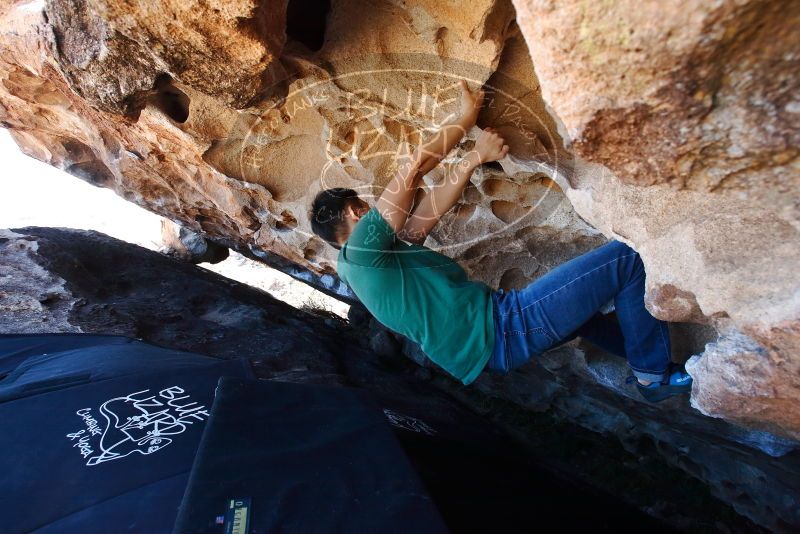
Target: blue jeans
{"x": 565, "y": 303}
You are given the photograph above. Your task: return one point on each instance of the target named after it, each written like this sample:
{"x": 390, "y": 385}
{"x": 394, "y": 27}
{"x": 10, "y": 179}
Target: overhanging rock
{"x": 674, "y": 128}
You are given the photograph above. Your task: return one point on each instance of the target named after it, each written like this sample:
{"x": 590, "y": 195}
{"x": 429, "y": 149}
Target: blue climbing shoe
{"x": 677, "y": 382}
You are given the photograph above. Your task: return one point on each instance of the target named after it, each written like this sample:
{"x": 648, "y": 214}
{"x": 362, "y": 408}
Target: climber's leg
{"x": 552, "y": 308}
{"x": 601, "y": 330}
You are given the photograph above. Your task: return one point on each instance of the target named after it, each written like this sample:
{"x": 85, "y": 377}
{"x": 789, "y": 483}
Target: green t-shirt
{"x": 420, "y": 294}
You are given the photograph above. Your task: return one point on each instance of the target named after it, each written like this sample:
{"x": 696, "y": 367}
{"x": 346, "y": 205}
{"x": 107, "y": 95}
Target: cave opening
{"x": 493, "y": 165}
{"x": 306, "y": 21}
{"x": 172, "y": 102}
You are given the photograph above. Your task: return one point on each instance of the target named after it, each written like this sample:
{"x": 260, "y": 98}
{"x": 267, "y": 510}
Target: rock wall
{"x": 690, "y": 113}
{"x": 673, "y": 128}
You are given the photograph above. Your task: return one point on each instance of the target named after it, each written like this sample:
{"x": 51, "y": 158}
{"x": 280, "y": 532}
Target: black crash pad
{"x": 86, "y": 450}
{"x": 302, "y": 458}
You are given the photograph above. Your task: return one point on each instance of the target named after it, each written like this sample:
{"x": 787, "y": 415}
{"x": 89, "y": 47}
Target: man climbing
{"x": 462, "y": 325}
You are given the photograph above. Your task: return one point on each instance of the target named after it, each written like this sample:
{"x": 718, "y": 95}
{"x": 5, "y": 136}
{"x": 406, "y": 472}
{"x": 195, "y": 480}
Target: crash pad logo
{"x": 138, "y": 423}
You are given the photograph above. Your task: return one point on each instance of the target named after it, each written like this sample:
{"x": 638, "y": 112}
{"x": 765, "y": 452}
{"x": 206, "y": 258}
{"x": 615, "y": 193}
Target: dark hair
{"x": 327, "y": 213}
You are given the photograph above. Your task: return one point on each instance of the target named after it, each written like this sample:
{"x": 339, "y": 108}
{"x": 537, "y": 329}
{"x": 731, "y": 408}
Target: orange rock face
{"x": 113, "y": 52}
{"x": 691, "y": 116}
{"x": 672, "y": 128}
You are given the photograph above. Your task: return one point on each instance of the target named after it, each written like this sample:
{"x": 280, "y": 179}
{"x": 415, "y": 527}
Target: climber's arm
{"x": 438, "y": 200}
{"x": 443, "y": 196}
{"x": 396, "y": 201}
{"x": 437, "y": 147}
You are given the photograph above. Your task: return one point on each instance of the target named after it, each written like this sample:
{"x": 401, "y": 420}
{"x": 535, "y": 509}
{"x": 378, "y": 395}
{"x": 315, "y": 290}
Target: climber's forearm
{"x": 441, "y": 198}
{"x": 431, "y": 152}
{"x": 445, "y": 195}
{"x": 396, "y": 201}
{"x": 397, "y": 198}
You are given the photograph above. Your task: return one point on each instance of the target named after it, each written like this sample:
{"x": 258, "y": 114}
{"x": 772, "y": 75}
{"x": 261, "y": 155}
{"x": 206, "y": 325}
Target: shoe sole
{"x": 664, "y": 392}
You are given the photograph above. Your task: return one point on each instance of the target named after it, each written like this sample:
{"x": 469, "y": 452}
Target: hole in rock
{"x": 463, "y": 212}
{"x": 513, "y": 279}
{"x": 545, "y": 181}
{"x": 476, "y": 251}
{"x": 94, "y": 172}
{"x": 471, "y": 195}
{"x": 502, "y": 189}
{"x": 493, "y": 165}
{"x": 49, "y": 299}
{"x": 287, "y": 221}
{"x": 327, "y": 268}
{"x": 170, "y": 100}
{"x": 111, "y": 144}
{"x": 313, "y": 249}
{"x": 508, "y": 212}
{"x": 305, "y": 22}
